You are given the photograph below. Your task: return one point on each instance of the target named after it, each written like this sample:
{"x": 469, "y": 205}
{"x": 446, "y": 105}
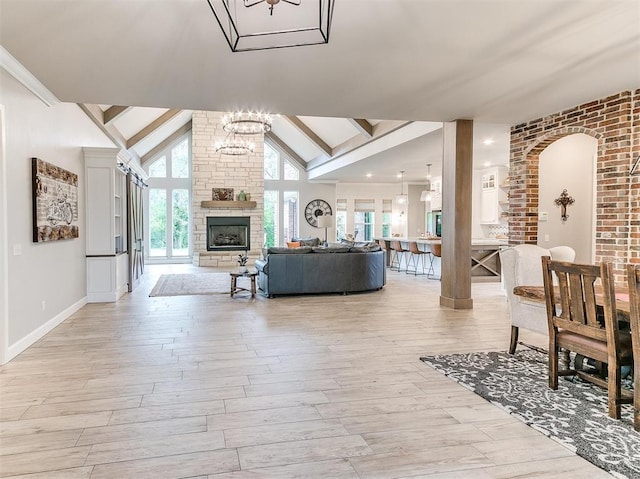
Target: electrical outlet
{"x": 546, "y": 238}
{"x": 17, "y": 249}
{"x": 44, "y": 305}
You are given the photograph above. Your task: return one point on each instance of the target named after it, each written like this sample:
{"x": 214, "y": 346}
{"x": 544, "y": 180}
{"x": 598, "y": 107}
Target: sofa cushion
{"x": 281, "y": 250}
{"x": 293, "y": 244}
{"x": 360, "y": 244}
{"x": 367, "y": 248}
{"x": 331, "y": 249}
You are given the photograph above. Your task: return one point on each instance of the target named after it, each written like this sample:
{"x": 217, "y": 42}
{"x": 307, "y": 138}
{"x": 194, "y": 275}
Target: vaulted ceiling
{"x": 391, "y": 72}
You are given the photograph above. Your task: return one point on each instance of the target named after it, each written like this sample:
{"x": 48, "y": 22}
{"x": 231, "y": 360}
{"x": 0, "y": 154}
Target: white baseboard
{"x": 38, "y": 333}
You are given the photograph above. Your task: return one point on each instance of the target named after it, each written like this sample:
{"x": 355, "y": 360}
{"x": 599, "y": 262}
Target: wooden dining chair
{"x": 633, "y": 278}
{"x": 575, "y": 325}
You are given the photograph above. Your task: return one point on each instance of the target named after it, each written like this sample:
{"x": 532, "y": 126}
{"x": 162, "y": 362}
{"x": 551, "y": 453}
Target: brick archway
{"x": 614, "y": 122}
{"x": 527, "y": 184}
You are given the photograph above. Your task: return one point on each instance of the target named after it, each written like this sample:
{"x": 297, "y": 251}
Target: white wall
{"x": 559, "y": 164}
{"x": 51, "y": 272}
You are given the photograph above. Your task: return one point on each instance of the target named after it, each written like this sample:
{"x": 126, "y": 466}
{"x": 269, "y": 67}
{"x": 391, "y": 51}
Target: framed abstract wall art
{"x": 55, "y": 202}
{"x": 222, "y": 194}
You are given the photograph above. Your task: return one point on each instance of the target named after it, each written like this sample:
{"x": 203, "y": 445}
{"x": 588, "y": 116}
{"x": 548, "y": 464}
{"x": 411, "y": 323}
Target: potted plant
{"x": 242, "y": 262}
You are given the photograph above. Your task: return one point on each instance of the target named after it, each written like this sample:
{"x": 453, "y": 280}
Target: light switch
{"x": 546, "y": 238}
{"x": 543, "y": 216}
{"x": 17, "y": 249}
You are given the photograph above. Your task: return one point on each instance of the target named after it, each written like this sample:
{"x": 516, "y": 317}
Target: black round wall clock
{"x": 314, "y": 209}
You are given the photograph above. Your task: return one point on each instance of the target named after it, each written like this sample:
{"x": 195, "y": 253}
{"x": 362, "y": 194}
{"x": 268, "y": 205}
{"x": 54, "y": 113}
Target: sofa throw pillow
{"x": 293, "y": 244}
{"x": 307, "y": 241}
{"x": 281, "y": 250}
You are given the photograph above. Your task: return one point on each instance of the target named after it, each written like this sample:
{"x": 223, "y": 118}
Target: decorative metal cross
{"x": 563, "y": 200}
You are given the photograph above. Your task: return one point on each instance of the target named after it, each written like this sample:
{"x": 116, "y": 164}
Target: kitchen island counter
{"x": 485, "y": 258}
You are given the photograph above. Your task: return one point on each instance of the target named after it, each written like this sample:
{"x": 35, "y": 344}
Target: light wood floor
{"x": 293, "y": 387}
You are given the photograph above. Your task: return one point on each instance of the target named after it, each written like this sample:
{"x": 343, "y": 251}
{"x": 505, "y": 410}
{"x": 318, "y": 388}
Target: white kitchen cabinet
{"x": 493, "y": 196}
{"x": 107, "y": 261}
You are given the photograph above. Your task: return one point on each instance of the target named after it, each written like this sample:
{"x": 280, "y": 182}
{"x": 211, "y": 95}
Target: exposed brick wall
{"x": 615, "y": 122}
{"x": 212, "y": 170}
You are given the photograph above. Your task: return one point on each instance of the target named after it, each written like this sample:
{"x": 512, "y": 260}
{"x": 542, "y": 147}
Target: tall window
{"x": 341, "y": 219}
{"x": 270, "y": 218}
{"x": 169, "y": 204}
{"x": 387, "y": 209}
{"x": 281, "y": 198}
{"x": 271, "y": 163}
{"x": 291, "y": 173}
{"x": 363, "y": 219}
{"x": 290, "y": 215}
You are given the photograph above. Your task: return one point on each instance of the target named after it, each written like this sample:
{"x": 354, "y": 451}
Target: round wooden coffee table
{"x": 234, "y": 283}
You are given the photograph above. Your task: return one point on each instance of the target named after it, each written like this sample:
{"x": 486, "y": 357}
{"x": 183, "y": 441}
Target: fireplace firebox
{"x": 228, "y": 233}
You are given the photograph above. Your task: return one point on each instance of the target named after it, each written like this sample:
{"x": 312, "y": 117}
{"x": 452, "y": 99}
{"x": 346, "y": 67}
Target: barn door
{"x": 136, "y": 237}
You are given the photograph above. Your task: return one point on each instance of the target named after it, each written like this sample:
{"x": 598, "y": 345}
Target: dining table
{"x": 537, "y": 294}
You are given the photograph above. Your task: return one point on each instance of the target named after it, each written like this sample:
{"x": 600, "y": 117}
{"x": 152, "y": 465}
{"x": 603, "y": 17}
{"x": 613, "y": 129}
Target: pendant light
{"x": 426, "y": 194}
{"x": 402, "y": 199}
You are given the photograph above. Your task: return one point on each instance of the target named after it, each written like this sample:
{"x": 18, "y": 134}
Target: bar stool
{"x": 384, "y": 244}
{"x": 416, "y": 256}
{"x": 399, "y": 253}
{"x": 436, "y": 252}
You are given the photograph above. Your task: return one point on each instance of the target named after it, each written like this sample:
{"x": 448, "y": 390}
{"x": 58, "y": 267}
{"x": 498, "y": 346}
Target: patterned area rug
{"x": 575, "y": 415}
{"x": 189, "y": 284}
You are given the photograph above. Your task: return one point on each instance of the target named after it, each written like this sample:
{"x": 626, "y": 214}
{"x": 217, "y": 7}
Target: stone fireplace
{"x": 228, "y": 233}
{"x": 213, "y": 170}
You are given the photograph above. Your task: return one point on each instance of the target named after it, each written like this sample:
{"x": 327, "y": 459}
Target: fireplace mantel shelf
{"x": 228, "y": 204}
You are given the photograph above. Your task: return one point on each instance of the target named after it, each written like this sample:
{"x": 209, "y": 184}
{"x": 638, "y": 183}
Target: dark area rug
{"x": 575, "y": 415}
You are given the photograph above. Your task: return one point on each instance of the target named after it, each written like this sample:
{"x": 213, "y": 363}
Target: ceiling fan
{"x": 271, "y": 3}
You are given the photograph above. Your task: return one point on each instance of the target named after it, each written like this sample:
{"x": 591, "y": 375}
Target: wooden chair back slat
{"x": 576, "y": 286}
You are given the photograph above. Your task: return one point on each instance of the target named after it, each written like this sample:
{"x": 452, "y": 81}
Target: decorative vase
{"x": 248, "y": 195}
{"x": 242, "y": 196}
{"x": 242, "y": 269}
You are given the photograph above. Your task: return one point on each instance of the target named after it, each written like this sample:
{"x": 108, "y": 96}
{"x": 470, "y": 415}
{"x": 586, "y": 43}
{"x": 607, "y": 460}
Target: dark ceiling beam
{"x": 114, "y": 112}
{"x": 166, "y": 142}
{"x": 381, "y": 129}
{"x": 310, "y": 134}
{"x": 151, "y": 127}
{"x": 95, "y": 113}
{"x": 363, "y": 126}
{"x": 276, "y": 141}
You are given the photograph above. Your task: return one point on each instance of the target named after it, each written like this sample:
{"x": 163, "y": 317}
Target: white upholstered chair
{"x": 522, "y": 265}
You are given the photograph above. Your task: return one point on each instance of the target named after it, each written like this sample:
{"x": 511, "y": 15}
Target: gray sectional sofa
{"x": 316, "y": 269}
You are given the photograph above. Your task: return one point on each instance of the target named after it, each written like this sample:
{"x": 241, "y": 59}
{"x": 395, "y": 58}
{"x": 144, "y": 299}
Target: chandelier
{"x": 233, "y": 145}
{"x": 246, "y": 28}
{"x": 246, "y": 123}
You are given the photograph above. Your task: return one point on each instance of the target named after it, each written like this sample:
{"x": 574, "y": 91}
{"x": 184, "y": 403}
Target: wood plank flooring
{"x": 212, "y": 387}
